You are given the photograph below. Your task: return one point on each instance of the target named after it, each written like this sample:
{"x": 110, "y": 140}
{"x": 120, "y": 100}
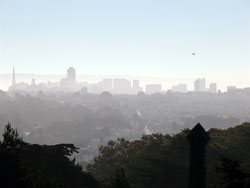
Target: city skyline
{"x": 116, "y": 85}
{"x": 125, "y": 94}
{"x": 167, "y": 83}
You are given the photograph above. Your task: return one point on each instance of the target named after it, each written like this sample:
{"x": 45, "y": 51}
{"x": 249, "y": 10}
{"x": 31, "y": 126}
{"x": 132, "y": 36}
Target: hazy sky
{"x": 132, "y": 37}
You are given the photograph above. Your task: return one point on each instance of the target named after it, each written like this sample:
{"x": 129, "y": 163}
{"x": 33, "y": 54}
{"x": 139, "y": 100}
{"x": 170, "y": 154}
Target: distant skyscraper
{"x": 203, "y": 84}
{"x": 136, "y": 87}
{"x": 33, "y": 81}
{"x": 231, "y": 88}
{"x": 69, "y": 83}
{"x": 213, "y": 88}
{"x": 153, "y": 88}
{"x": 200, "y": 85}
{"x": 197, "y": 85}
{"x": 121, "y": 86}
{"x": 182, "y": 88}
{"x": 136, "y": 84}
{"x": 107, "y": 84}
{"x": 13, "y": 77}
{"x": 71, "y": 75}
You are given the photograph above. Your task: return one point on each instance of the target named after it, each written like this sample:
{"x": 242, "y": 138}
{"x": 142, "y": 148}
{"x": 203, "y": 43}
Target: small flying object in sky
{"x": 193, "y": 54}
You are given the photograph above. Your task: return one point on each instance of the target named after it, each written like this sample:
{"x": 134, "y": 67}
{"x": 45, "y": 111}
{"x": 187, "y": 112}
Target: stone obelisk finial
{"x": 198, "y": 139}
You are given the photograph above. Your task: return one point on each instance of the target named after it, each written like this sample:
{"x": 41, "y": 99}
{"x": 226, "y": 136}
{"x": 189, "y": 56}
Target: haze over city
{"x": 70, "y": 82}
{"x": 124, "y": 94}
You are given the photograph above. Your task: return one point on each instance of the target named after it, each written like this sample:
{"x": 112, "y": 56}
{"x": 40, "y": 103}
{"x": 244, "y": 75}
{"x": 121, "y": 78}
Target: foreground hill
{"x": 26, "y": 165}
{"x": 162, "y": 160}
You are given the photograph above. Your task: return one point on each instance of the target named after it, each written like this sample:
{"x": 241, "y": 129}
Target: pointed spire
{"x": 197, "y": 134}
{"x": 13, "y": 77}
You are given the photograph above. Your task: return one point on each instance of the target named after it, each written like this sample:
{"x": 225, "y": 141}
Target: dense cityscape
{"x": 89, "y": 115}
{"x": 114, "y": 86}
{"x": 124, "y": 94}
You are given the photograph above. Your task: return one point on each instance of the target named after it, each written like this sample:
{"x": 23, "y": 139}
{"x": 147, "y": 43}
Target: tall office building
{"x": 182, "y": 88}
{"x": 153, "y": 88}
{"x": 203, "y": 84}
{"x": 71, "y": 75}
{"x": 231, "y": 88}
{"x": 136, "y": 84}
{"x": 121, "y": 86}
{"x": 136, "y": 87}
{"x": 13, "y": 77}
{"x": 200, "y": 85}
{"x": 197, "y": 85}
{"x": 107, "y": 84}
{"x": 213, "y": 88}
{"x": 69, "y": 83}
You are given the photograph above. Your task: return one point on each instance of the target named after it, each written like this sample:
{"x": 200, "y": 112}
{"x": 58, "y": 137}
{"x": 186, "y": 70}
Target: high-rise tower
{"x": 13, "y": 77}
{"x": 71, "y": 75}
{"x": 200, "y": 85}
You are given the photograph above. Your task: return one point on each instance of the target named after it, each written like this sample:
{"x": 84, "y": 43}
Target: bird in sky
{"x": 193, "y": 54}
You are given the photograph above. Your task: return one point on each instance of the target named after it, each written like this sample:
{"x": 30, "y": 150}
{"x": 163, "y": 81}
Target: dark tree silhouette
{"x": 10, "y": 149}
{"x": 34, "y": 166}
{"x": 231, "y": 175}
{"x": 120, "y": 180}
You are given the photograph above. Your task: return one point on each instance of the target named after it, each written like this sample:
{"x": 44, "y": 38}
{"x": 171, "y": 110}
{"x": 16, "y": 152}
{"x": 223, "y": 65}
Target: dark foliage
{"x": 159, "y": 161}
{"x": 119, "y": 180}
{"x": 231, "y": 175}
{"x": 34, "y": 166}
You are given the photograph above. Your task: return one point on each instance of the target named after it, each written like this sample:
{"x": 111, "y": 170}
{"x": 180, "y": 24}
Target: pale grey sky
{"x": 152, "y": 38}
